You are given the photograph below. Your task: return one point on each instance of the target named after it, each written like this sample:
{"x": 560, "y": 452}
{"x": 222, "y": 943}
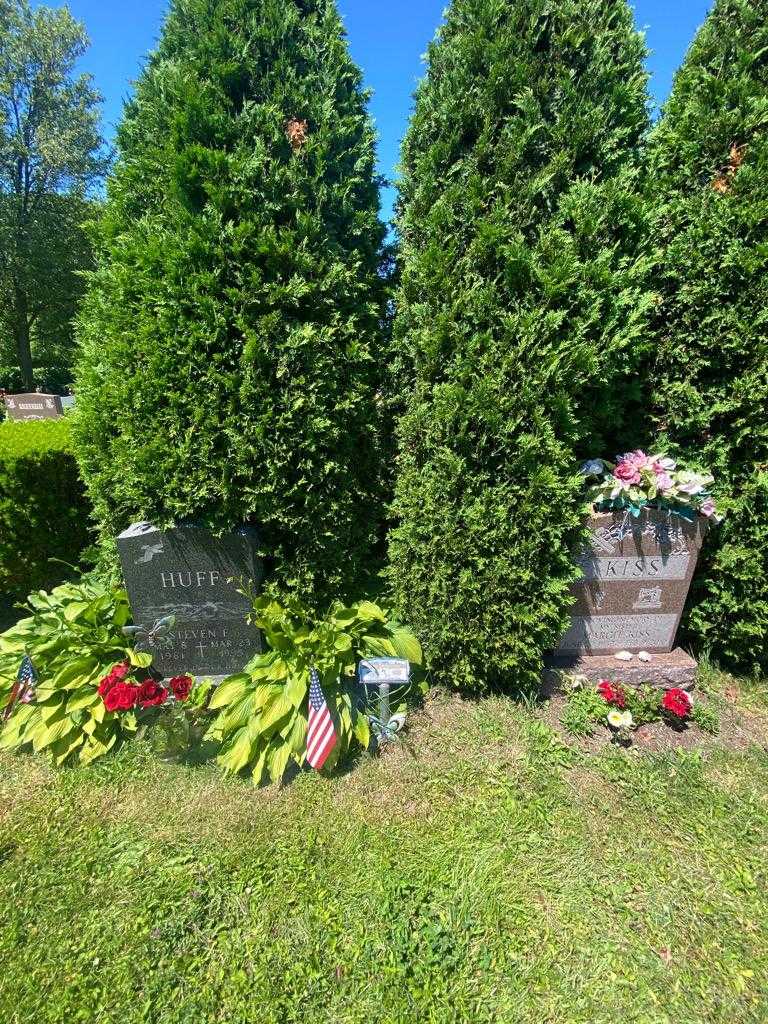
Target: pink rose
{"x": 664, "y": 481}
{"x": 708, "y": 508}
{"x": 627, "y": 472}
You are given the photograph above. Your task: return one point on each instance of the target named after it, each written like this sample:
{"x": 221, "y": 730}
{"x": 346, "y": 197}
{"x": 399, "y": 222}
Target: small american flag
{"x": 23, "y": 691}
{"x": 321, "y": 735}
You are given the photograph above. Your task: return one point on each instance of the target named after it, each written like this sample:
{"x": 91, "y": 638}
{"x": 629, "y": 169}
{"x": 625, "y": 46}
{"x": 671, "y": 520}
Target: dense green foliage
{"x": 482, "y": 881}
{"x": 50, "y": 158}
{"x": 263, "y": 712}
{"x": 74, "y": 637}
{"x": 231, "y": 330}
{"x": 43, "y": 509}
{"x": 709, "y": 186}
{"x": 520, "y": 319}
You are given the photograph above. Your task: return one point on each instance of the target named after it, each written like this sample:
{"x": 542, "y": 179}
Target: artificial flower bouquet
{"x": 637, "y": 481}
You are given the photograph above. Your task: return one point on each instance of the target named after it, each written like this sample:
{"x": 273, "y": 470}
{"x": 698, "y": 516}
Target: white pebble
{"x": 644, "y": 656}
{"x": 623, "y": 656}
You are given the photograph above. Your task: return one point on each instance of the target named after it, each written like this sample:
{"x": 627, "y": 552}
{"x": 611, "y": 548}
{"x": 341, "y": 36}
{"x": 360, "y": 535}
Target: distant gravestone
{"x": 33, "y": 407}
{"x": 191, "y": 574}
{"x": 636, "y": 577}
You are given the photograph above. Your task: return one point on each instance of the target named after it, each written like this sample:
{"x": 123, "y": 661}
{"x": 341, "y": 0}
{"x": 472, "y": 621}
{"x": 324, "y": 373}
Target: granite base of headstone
{"x": 191, "y": 574}
{"x": 676, "y": 669}
{"x": 636, "y": 574}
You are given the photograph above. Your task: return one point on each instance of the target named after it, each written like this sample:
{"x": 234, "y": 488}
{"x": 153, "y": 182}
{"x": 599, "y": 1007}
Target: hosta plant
{"x": 261, "y": 719}
{"x": 75, "y": 640}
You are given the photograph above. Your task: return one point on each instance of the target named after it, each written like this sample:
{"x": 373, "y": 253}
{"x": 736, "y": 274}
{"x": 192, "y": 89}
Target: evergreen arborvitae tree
{"x": 232, "y": 330}
{"x": 709, "y": 187}
{"x": 520, "y": 319}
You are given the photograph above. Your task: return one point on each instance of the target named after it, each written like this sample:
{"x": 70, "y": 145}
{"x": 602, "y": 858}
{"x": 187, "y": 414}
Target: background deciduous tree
{"x": 51, "y": 157}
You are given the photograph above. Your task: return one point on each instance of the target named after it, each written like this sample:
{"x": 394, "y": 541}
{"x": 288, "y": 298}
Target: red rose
{"x": 116, "y": 675}
{"x": 151, "y": 694}
{"x": 106, "y": 684}
{"x": 181, "y": 686}
{"x": 122, "y": 697}
{"x": 612, "y": 693}
{"x": 677, "y": 702}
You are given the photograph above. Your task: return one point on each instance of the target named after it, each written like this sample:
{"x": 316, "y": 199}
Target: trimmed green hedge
{"x": 43, "y": 510}
{"x": 520, "y": 320}
{"x": 708, "y": 181}
{"x": 231, "y": 335}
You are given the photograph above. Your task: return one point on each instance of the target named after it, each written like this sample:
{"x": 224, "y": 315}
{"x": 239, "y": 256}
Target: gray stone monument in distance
{"x": 190, "y": 573}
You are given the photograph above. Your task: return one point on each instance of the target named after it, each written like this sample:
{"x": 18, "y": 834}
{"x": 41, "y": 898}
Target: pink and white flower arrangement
{"x": 637, "y": 480}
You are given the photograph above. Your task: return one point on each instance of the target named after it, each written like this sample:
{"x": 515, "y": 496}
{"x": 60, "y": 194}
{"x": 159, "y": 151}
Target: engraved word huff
{"x": 648, "y": 598}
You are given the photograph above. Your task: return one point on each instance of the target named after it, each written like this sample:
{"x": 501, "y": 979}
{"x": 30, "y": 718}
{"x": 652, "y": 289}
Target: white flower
{"x": 594, "y": 467}
{"x": 620, "y": 719}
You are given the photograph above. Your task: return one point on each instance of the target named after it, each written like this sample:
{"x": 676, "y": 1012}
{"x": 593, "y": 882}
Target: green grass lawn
{"x": 485, "y": 875}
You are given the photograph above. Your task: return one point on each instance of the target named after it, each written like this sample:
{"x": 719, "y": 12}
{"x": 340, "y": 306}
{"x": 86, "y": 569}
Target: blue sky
{"x": 387, "y": 38}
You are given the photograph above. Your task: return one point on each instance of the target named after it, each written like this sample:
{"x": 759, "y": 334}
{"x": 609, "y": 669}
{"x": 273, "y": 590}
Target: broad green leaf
{"x": 369, "y": 610}
{"x": 238, "y": 753}
{"x": 297, "y": 688}
{"x": 65, "y": 747}
{"x": 362, "y": 730}
{"x": 277, "y": 761}
{"x": 276, "y": 710}
{"x": 230, "y": 690}
{"x": 139, "y": 659}
{"x": 76, "y": 669}
{"x": 85, "y": 697}
{"x": 52, "y": 733}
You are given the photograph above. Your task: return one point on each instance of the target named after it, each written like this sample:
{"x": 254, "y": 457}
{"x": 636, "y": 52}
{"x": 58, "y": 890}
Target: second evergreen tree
{"x": 520, "y": 320}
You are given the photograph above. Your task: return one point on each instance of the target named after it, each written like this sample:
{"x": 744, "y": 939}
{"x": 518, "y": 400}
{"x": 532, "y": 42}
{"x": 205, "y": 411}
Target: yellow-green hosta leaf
{"x": 51, "y": 733}
{"x": 65, "y": 747}
{"x": 362, "y": 730}
{"x": 74, "y": 609}
{"x": 139, "y": 659}
{"x": 52, "y": 711}
{"x": 86, "y": 697}
{"x": 277, "y": 760}
{"x": 78, "y": 669}
{"x": 96, "y": 747}
{"x": 276, "y": 710}
{"x": 369, "y": 610}
{"x": 297, "y": 688}
{"x": 295, "y": 735}
{"x": 407, "y": 646}
{"x": 238, "y": 754}
{"x": 230, "y": 690}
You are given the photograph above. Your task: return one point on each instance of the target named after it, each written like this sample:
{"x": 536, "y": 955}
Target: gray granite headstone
{"x": 33, "y": 407}
{"x": 190, "y": 573}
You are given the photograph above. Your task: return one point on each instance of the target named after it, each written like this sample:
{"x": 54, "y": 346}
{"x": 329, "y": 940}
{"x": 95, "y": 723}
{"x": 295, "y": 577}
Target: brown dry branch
{"x": 296, "y": 133}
